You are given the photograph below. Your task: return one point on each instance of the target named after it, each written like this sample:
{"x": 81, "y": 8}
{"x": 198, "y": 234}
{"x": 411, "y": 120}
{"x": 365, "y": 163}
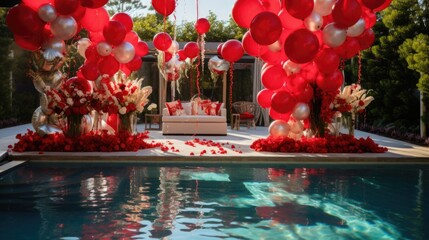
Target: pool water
{"x": 136, "y": 201}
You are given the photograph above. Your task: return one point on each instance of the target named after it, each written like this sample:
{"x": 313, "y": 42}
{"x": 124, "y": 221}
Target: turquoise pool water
{"x": 135, "y": 201}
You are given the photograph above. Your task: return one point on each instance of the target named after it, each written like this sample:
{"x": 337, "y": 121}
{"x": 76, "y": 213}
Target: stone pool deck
{"x": 237, "y": 144}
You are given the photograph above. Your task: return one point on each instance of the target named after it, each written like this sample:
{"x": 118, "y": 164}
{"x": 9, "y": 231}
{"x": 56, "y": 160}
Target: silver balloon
{"x": 50, "y": 54}
{"x": 64, "y": 27}
{"x": 39, "y": 84}
{"x": 357, "y": 28}
{"x": 279, "y": 128}
{"x": 55, "y": 44}
{"x": 291, "y": 67}
{"x": 47, "y": 12}
{"x": 124, "y": 53}
{"x": 275, "y": 47}
{"x": 324, "y": 7}
{"x": 174, "y": 47}
{"x": 38, "y": 118}
{"x": 45, "y": 129}
{"x": 104, "y": 49}
{"x": 333, "y": 36}
{"x": 86, "y": 124}
{"x": 44, "y": 102}
{"x": 82, "y": 45}
{"x": 313, "y": 22}
{"x": 301, "y": 111}
{"x": 52, "y": 79}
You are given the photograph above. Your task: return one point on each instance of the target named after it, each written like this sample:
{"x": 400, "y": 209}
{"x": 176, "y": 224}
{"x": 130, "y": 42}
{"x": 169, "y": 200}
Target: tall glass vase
{"x": 349, "y": 121}
{"x": 128, "y": 123}
{"x": 74, "y": 122}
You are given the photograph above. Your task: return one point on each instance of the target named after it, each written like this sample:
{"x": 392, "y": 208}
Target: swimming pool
{"x": 147, "y": 201}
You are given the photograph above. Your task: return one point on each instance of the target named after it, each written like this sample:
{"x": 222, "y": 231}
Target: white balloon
{"x": 323, "y": 7}
{"x": 296, "y": 127}
{"x": 313, "y": 22}
{"x": 333, "y": 36}
{"x": 124, "y": 53}
{"x": 357, "y": 28}
{"x": 64, "y": 27}
{"x": 275, "y": 47}
{"x": 279, "y": 128}
{"x": 55, "y": 44}
{"x": 82, "y": 45}
{"x": 174, "y": 47}
{"x": 104, "y": 49}
{"x": 47, "y": 12}
{"x": 291, "y": 67}
{"x": 50, "y": 54}
{"x": 301, "y": 111}
{"x": 38, "y": 118}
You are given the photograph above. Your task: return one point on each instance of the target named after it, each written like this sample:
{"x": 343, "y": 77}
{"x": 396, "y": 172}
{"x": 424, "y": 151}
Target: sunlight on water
{"x": 142, "y": 202}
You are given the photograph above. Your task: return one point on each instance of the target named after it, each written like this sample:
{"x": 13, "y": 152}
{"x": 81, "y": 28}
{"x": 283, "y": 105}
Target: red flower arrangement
{"x": 90, "y": 142}
{"x": 328, "y": 144}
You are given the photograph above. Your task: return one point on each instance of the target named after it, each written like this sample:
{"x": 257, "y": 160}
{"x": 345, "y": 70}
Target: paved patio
{"x": 399, "y": 152}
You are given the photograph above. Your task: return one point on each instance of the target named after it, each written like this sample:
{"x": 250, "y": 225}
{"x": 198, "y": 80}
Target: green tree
{"x": 131, "y": 7}
{"x": 5, "y": 66}
{"x": 150, "y": 24}
{"x": 387, "y": 72}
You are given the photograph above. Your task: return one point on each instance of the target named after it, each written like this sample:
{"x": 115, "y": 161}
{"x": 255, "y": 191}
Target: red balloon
{"x": 112, "y": 121}
{"x": 30, "y": 43}
{"x": 202, "y": 26}
{"x": 288, "y": 21}
{"x": 299, "y": 8}
{"x": 366, "y": 39}
{"x": 273, "y": 57}
{"x": 162, "y": 41}
{"x": 182, "y": 55}
{"x": 346, "y": 13}
{"x": 329, "y": 82}
{"x": 219, "y": 50}
{"x": 124, "y": 68}
{"x": 373, "y": 4}
{"x": 108, "y": 65}
{"x": 305, "y": 95}
{"x": 164, "y": 7}
{"x": 251, "y": 47}
{"x": 125, "y": 19}
{"x": 135, "y": 64}
{"x": 191, "y": 49}
{"x": 301, "y": 46}
{"x": 349, "y": 48}
{"x": 79, "y": 13}
{"x": 266, "y": 28}
{"x": 91, "y": 54}
{"x": 95, "y": 19}
{"x": 132, "y": 38}
{"x": 279, "y": 116}
{"x": 142, "y": 49}
{"x": 35, "y": 4}
{"x": 327, "y": 60}
{"x": 273, "y": 77}
{"x": 295, "y": 83}
{"x": 272, "y": 5}
{"x": 24, "y": 21}
{"x": 232, "y": 50}
{"x": 244, "y": 11}
{"x": 96, "y": 37}
{"x": 90, "y": 70}
{"x": 369, "y": 17}
{"x": 66, "y": 7}
{"x": 283, "y": 101}
{"x": 114, "y": 33}
{"x": 264, "y": 97}
{"x": 93, "y": 3}
{"x": 383, "y": 6}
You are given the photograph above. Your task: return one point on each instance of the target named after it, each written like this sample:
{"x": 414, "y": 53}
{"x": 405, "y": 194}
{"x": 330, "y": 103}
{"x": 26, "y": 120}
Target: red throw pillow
{"x": 212, "y": 109}
{"x": 175, "y": 108}
{"x": 246, "y": 115}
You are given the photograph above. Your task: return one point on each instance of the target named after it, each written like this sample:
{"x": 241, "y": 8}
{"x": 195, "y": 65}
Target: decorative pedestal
{"x": 235, "y": 121}
{"x": 150, "y": 119}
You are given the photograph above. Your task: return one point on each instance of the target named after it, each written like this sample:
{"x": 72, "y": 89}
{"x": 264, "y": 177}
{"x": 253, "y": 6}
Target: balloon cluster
{"x": 46, "y": 24}
{"x": 302, "y": 43}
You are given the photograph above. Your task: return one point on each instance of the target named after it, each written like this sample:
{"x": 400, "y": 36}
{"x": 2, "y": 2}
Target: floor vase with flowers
{"x": 73, "y": 128}
{"x": 128, "y": 122}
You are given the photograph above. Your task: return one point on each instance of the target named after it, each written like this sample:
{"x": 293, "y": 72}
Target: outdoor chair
{"x": 247, "y": 111}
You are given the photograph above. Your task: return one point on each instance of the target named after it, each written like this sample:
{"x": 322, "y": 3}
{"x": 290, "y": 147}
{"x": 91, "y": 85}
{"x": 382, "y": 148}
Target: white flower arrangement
{"x": 352, "y": 99}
